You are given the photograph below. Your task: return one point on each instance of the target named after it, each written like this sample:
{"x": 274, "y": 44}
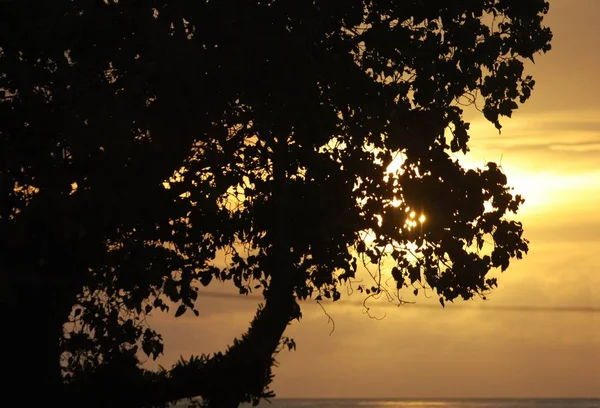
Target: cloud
{"x": 541, "y": 129}
{"x": 576, "y": 147}
{"x": 441, "y": 353}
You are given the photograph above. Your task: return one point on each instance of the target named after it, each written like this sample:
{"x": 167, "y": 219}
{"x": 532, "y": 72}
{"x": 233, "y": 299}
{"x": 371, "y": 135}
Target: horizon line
{"x": 449, "y": 305}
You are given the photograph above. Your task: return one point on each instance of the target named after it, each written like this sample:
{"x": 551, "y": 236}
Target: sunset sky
{"x": 550, "y": 151}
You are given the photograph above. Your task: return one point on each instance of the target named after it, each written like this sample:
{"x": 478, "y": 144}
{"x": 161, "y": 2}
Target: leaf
{"x": 360, "y": 247}
{"x": 180, "y": 310}
{"x": 396, "y": 274}
{"x": 205, "y": 278}
{"x": 147, "y": 348}
{"x": 414, "y": 273}
{"x": 170, "y": 289}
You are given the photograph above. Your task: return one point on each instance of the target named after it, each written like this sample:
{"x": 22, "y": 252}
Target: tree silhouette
{"x": 141, "y": 140}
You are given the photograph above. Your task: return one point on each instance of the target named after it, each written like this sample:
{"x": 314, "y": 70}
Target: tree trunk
{"x": 33, "y": 321}
{"x": 254, "y": 355}
{"x": 244, "y": 371}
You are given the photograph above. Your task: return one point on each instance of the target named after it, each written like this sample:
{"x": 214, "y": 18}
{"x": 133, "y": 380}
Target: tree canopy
{"x": 143, "y": 140}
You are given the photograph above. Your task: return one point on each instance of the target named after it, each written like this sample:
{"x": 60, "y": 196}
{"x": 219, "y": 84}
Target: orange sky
{"x": 550, "y": 151}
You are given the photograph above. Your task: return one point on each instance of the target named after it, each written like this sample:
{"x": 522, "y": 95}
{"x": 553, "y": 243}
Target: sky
{"x": 550, "y": 151}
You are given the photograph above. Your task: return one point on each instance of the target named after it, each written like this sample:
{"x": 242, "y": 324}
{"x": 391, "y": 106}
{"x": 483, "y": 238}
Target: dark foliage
{"x": 140, "y": 140}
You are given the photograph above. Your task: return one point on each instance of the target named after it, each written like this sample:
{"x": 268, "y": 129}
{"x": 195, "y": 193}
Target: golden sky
{"x": 550, "y": 151}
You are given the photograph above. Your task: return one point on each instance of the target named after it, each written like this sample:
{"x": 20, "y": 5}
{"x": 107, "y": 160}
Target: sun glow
{"x": 545, "y": 191}
{"x": 413, "y": 220}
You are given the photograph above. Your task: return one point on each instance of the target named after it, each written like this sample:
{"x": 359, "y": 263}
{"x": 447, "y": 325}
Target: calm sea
{"x": 441, "y": 403}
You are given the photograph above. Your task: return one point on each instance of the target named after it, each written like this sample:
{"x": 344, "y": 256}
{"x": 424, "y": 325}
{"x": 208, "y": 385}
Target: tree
{"x": 142, "y": 139}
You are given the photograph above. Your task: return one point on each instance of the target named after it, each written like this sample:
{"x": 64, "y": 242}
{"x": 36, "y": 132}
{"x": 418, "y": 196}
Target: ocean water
{"x": 432, "y": 403}
{"x": 424, "y": 403}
